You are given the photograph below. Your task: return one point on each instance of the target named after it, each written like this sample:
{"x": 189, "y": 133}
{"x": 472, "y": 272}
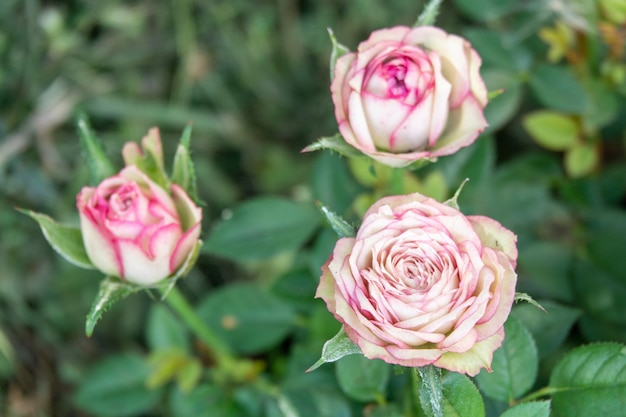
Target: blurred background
{"x": 253, "y": 79}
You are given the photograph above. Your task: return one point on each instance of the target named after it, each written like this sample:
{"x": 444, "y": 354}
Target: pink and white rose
{"x": 409, "y": 93}
{"x": 423, "y": 284}
{"x": 134, "y": 229}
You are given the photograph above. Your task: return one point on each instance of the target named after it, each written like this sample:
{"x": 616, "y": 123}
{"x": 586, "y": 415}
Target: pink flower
{"x": 423, "y": 284}
{"x": 134, "y": 229}
{"x": 408, "y": 94}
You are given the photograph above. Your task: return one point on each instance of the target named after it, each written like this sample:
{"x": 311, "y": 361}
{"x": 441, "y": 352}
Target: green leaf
{"x": 67, "y": 241}
{"x": 453, "y": 202}
{"x": 429, "y": 14}
{"x": 514, "y": 365}
{"x": 97, "y": 162}
{"x": 111, "y": 290}
{"x": 338, "y": 51}
{"x": 339, "y": 225}
{"x": 115, "y": 387}
{"x": 590, "y": 381}
{"x": 557, "y": 88}
{"x": 247, "y": 317}
{"x": 336, "y": 348}
{"x": 334, "y": 143}
{"x": 581, "y": 160}
{"x": 164, "y": 330}
{"x": 552, "y": 130}
{"x": 532, "y": 409}
{"x": 430, "y": 390}
{"x": 550, "y": 327}
{"x": 183, "y": 172}
{"x": 204, "y": 401}
{"x": 363, "y": 379}
{"x": 461, "y": 397}
{"x": 262, "y": 228}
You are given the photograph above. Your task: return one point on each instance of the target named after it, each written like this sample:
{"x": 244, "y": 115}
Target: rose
{"x": 423, "y": 284}
{"x": 135, "y": 230}
{"x": 408, "y": 94}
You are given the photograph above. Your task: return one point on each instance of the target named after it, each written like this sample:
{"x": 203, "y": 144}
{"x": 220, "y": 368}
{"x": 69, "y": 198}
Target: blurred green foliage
{"x": 252, "y": 77}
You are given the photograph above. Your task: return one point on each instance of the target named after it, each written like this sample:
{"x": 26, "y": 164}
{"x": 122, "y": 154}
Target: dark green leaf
{"x": 601, "y": 294}
{"x": 262, "y": 228}
{"x": 505, "y": 106}
{"x": 363, "y": 379}
{"x": 99, "y": 165}
{"x": 204, "y": 401}
{"x": 514, "y": 365}
{"x": 116, "y": 387}
{"x": 557, "y": 88}
{"x": 533, "y": 409}
{"x": 498, "y": 50}
{"x": 485, "y": 10}
{"x": 590, "y": 381}
{"x": 544, "y": 270}
{"x": 247, "y": 317}
{"x": 549, "y": 327}
{"x": 67, "y": 241}
{"x": 461, "y": 398}
{"x": 111, "y": 290}
{"x": 332, "y": 184}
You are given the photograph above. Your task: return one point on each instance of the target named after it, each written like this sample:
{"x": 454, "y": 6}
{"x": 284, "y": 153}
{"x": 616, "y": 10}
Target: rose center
{"x": 122, "y": 201}
{"x": 395, "y": 75}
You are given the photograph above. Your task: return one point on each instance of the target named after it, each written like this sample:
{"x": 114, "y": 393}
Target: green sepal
{"x": 183, "y": 171}
{"x": 522, "y": 296}
{"x": 97, "y": 162}
{"x": 453, "y": 201}
{"x": 336, "y": 348}
{"x": 148, "y": 157}
{"x": 167, "y": 284}
{"x": 494, "y": 93}
{"x": 334, "y": 143}
{"x": 111, "y": 290}
{"x": 66, "y": 240}
{"x": 338, "y": 51}
{"x": 339, "y": 225}
{"x": 429, "y": 14}
{"x": 430, "y": 390}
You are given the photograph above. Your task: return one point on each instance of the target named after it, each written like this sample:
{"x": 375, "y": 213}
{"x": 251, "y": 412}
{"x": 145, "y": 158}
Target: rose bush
{"x": 134, "y": 229}
{"x": 408, "y": 94}
{"x": 423, "y": 284}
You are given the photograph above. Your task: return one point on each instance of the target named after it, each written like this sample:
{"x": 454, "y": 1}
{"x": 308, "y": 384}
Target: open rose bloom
{"x": 423, "y": 284}
{"x": 409, "y": 94}
{"x": 134, "y": 229}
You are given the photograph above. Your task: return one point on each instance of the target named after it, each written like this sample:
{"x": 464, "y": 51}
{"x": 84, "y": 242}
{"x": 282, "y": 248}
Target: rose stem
{"x": 179, "y": 303}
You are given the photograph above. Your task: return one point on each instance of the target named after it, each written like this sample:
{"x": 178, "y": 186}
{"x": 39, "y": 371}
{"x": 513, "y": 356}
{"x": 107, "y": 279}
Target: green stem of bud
{"x": 221, "y": 351}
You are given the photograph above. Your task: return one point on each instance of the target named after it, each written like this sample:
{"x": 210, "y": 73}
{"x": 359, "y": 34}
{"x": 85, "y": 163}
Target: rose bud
{"x": 423, "y": 284}
{"x": 134, "y": 229}
{"x": 409, "y": 93}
